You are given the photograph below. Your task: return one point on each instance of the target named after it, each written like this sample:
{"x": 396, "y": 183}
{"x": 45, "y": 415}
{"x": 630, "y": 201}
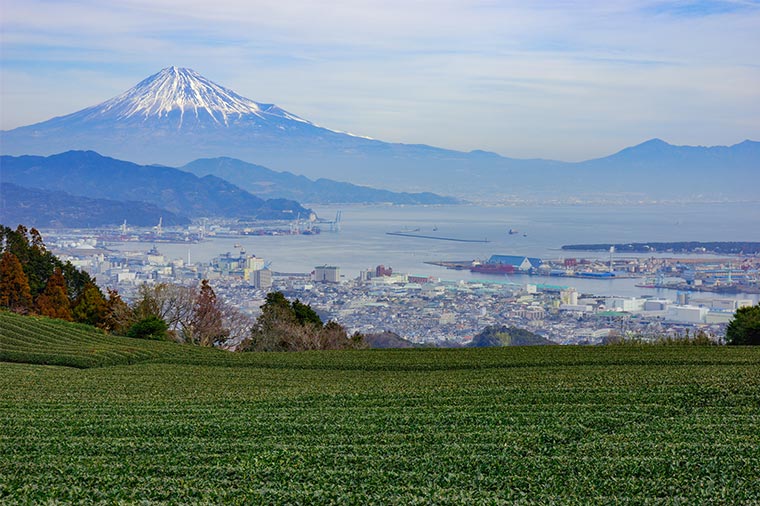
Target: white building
{"x": 656, "y": 305}
{"x": 627, "y": 304}
{"x": 393, "y": 279}
{"x": 254, "y": 263}
{"x": 718, "y": 304}
{"x": 576, "y": 308}
{"x": 687, "y": 314}
{"x": 327, "y": 274}
{"x": 124, "y": 276}
{"x": 569, "y": 296}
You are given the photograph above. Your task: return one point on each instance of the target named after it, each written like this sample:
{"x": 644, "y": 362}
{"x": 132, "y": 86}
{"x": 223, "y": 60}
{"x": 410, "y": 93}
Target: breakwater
{"x": 434, "y": 237}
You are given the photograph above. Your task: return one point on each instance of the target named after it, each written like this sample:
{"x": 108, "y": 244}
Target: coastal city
{"x": 314, "y": 253}
{"x": 433, "y": 311}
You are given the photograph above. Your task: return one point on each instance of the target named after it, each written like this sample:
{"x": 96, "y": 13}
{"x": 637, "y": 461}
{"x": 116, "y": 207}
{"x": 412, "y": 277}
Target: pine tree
{"x": 305, "y": 314}
{"x": 14, "y": 285}
{"x": 54, "y": 301}
{"x": 90, "y": 307}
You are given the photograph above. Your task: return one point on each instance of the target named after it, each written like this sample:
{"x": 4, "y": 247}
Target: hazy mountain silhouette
{"x": 177, "y": 116}
{"x": 88, "y": 174}
{"x": 56, "y": 209}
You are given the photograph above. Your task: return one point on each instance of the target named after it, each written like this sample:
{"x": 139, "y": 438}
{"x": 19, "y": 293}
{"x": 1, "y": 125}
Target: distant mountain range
{"x": 88, "y": 174}
{"x": 265, "y": 182}
{"x": 85, "y": 189}
{"x": 177, "y": 115}
{"x": 56, "y": 209}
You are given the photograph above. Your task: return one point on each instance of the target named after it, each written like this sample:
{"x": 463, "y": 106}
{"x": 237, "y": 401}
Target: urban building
{"x": 327, "y": 274}
{"x": 261, "y": 279}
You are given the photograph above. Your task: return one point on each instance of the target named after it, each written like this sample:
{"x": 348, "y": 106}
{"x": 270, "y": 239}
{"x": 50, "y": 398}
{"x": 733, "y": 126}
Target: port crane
{"x": 334, "y": 224}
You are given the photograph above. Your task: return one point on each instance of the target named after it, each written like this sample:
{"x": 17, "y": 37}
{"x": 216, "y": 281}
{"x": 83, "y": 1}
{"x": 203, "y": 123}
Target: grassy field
{"x": 115, "y": 419}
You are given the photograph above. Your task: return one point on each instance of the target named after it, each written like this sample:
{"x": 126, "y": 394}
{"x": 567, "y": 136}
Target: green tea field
{"x": 86, "y": 417}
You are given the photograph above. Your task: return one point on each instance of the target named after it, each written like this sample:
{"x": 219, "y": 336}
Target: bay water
{"x": 541, "y": 230}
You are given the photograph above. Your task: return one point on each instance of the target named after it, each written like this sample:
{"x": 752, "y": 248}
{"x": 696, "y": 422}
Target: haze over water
{"x": 543, "y": 229}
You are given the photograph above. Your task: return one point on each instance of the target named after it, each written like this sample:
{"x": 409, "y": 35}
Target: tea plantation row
{"x": 156, "y": 422}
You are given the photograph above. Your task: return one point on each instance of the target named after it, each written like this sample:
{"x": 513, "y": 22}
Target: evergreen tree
{"x": 151, "y": 327}
{"x": 745, "y": 326}
{"x": 276, "y": 329}
{"x": 305, "y": 315}
{"x": 39, "y": 263}
{"x": 90, "y": 307}
{"x": 14, "y": 286}
{"x": 283, "y": 326}
{"x": 276, "y": 302}
{"x": 54, "y": 301}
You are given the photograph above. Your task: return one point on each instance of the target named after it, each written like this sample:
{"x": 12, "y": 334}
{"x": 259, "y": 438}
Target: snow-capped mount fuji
{"x": 177, "y": 115}
{"x": 183, "y": 97}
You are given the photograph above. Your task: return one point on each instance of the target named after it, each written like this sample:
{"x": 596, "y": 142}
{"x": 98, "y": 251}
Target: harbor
{"x": 726, "y": 275}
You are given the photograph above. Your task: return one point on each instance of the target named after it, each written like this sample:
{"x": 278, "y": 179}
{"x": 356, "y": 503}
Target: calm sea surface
{"x": 362, "y": 242}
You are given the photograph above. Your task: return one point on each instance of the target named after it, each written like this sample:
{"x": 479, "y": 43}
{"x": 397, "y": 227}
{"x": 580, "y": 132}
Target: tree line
{"x": 34, "y": 281}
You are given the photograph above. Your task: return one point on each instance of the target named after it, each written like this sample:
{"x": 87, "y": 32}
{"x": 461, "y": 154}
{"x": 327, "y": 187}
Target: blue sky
{"x": 549, "y": 79}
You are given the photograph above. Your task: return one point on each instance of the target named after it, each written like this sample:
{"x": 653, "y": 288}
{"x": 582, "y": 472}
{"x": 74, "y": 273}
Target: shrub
{"x": 150, "y": 327}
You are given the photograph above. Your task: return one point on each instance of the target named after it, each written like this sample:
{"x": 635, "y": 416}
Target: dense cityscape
{"x": 429, "y": 310}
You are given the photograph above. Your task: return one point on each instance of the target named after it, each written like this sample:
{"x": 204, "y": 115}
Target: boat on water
{"x": 512, "y": 231}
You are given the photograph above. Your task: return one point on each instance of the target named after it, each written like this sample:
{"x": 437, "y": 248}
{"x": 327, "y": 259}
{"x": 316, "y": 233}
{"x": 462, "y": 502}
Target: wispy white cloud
{"x": 544, "y": 78}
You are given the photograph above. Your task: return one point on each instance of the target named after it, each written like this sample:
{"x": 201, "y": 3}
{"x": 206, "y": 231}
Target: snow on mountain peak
{"x": 186, "y": 92}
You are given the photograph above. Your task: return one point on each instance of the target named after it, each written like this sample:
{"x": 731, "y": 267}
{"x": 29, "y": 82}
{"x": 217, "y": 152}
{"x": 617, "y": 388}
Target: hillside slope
{"x": 552, "y": 424}
{"x": 40, "y": 340}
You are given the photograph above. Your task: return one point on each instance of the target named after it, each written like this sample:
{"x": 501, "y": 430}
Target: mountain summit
{"x": 177, "y": 115}
{"x": 182, "y": 98}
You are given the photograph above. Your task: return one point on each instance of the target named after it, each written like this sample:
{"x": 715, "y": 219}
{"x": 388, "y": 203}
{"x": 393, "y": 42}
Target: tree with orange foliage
{"x": 54, "y": 301}
{"x": 14, "y": 285}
